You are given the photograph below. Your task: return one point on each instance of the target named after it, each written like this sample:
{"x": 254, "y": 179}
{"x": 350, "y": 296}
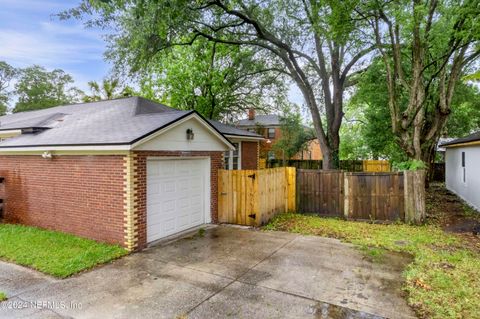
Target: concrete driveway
{"x": 228, "y": 272}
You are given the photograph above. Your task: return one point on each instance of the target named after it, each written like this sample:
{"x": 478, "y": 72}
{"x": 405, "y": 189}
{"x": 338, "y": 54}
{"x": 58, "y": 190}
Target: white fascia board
{"x": 10, "y": 132}
{"x": 244, "y": 138}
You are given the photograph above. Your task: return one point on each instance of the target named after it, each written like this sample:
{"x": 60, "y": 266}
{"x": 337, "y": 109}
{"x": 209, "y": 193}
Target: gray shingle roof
{"x": 263, "y": 120}
{"x": 119, "y": 121}
{"x": 230, "y": 130}
{"x": 470, "y": 138}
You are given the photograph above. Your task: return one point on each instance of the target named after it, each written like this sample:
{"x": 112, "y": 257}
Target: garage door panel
{"x": 182, "y": 185}
{"x": 196, "y": 183}
{"x": 153, "y": 171}
{"x": 169, "y": 206}
{"x": 196, "y": 200}
{"x": 169, "y": 225}
{"x": 175, "y": 196}
{"x": 184, "y": 220}
{"x": 168, "y": 185}
{"x": 196, "y": 217}
{"x": 167, "y": 169}
{"x": 154, "y": 188}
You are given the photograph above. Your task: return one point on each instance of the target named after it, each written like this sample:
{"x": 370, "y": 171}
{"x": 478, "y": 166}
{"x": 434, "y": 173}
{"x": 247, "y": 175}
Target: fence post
{"x": 290, "y": 175}
{"x": 346, "y": 203}
{"x": 414, "y": 192}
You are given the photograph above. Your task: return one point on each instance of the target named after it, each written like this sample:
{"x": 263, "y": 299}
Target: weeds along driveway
{"x": 227, "y": 272}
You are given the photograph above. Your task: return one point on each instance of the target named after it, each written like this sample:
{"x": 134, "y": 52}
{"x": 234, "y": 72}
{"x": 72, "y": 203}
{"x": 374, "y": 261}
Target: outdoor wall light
{"x": 47, "y": 155}
{"x": 190, "y": 134}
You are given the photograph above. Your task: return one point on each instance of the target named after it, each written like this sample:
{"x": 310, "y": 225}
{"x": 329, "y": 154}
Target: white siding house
{"x": 462, "y": 165}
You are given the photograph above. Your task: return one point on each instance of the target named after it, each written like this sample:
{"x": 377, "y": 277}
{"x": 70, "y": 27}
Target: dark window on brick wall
{"x": 271, "y": 133}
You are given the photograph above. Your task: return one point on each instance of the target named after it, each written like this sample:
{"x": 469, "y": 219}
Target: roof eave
{"x": 245, "y": 137}
{"x": 469, "y": 143}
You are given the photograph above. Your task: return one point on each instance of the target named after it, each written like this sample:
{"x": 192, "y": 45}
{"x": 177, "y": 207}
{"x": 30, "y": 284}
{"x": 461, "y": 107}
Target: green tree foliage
{"x": 472, "y": 77}
{"x": 319, "y": 45}
{"x": 109, "y": 89}
{"x": 38, "y": 88}
{"x": 465, "y": 116}
{"x": 7, "y": 74}
{"x": 353, "y": 146}
{"x": 218, "y": 81}
{"x": 294, "y": 135}
{"x": 426, "y": 46}
{"x": 370, "y": 102}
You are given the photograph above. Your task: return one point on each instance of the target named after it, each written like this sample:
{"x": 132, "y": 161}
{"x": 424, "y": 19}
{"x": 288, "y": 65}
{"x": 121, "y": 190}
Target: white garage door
{"x": 176, "y": 196}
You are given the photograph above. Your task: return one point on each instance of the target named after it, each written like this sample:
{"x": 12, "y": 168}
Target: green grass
{"x": 442, "y": 281}
{"x": 3, "y": 296}
{"x": 54, "y": 253}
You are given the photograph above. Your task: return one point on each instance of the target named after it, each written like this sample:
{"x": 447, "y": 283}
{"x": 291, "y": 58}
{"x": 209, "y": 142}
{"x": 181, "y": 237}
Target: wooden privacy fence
{"x": 253, "y": 197}
{"x": 362, "y": 196}
{"x": 376, "y": 166}
{"x": 320, "y": 191}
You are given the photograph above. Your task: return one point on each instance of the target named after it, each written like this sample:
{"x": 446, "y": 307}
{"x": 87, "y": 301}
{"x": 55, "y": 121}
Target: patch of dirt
{"x": 448, "y": 211}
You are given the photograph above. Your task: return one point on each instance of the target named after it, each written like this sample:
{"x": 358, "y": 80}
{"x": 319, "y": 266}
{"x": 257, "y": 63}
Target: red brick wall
{"x": 249, "y": 155}
{"x": 82, "y": 195}
{"x": 140, "y": 188}
{"x": 266, "y": 147}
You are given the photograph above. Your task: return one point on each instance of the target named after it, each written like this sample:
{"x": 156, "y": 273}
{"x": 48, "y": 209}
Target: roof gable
{"x": 173, "y": 137}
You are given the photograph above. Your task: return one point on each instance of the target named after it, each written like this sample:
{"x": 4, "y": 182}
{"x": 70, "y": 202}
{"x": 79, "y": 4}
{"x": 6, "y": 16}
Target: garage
{"x": 178, "y": 195}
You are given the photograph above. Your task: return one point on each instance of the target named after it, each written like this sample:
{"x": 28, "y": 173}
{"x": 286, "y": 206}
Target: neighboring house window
{"x": 271, "y": 133}
{"x": 232, "y": 158}
{"x": 271, "y": 155}
{"x": 464, "y": 173}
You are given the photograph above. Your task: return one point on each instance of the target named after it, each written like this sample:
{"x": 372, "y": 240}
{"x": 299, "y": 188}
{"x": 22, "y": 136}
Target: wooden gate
{"x": 320, "y": 192}
{"x": 374, "y": 196}
{"x": 253, "y": 197}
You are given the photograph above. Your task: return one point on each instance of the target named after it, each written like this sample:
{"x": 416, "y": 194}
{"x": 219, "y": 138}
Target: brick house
{"x": 269, "y": 127}
{"x": 127, "y": 171}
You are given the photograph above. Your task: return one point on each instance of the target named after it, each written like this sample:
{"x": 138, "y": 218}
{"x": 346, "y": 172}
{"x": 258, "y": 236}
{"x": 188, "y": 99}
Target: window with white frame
{"x": 464, "y": 172}
{"x": 271, "y": 132}
{"x": 232, "y": 158}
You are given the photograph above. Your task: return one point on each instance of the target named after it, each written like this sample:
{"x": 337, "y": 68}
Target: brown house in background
{"x": 269, "y": 127}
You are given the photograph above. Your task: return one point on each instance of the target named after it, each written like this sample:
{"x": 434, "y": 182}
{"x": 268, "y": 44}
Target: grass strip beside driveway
{"x": 52, "y": 252}
{"x": 443, "y": 280}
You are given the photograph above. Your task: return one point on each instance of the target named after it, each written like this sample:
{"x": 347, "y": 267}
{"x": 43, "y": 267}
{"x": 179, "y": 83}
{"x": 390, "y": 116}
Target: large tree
{"x": 370, "y": 103}
{"x": 318, "y": 44}
{"x": 38, "y": 88}
{"x": 7, "y": 74}
{"x": 426, "y": 46}
{"x": 217, "y": 80}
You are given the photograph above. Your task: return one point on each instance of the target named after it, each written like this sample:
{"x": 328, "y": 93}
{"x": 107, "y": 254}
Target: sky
{"x": 31, "y": 34}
